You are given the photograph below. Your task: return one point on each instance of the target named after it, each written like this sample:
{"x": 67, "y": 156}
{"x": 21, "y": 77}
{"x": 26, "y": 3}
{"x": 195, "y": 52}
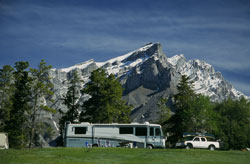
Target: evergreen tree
{"x": 42, "y": 93}
{"x": 105, "y": 104}
{"x": 71, "y": 101}
{"x": 6, "y": 93}
{"x": 183, "y": 103}
{"x": 20, "y": 100}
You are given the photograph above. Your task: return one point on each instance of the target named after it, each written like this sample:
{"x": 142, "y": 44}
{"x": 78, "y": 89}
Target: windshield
{"x": 155, "y": 131}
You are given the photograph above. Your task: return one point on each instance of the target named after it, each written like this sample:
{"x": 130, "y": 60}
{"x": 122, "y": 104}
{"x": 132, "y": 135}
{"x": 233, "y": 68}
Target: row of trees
{"x": 26, "y": 92}
{"x": 22, "y": 94}
{"x": 228, "y": 120}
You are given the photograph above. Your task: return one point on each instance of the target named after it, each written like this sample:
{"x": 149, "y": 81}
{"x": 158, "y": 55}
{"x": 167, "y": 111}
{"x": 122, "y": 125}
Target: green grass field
{"x": 120, "y": 155}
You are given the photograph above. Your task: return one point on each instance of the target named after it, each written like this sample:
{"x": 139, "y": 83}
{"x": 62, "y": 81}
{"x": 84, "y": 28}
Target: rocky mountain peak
{"x": 150, "y": 68}
{"x": 146, "y": 51}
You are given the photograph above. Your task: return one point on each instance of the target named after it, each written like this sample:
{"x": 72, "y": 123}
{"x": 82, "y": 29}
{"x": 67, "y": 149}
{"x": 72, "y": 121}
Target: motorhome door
{"x": 155, "y": 136}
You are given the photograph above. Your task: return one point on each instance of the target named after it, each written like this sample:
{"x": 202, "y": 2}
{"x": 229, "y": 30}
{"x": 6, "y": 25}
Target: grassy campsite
{"x": 120, "y": 156}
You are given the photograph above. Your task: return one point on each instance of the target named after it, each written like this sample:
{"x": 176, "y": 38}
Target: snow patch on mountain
{"x": 78, "y": 66}
{"x": 173, "y": 60}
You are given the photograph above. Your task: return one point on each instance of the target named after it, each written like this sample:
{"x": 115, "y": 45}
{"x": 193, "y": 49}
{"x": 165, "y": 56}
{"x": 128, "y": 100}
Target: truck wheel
{"x": 189, "y": 146}
{"x": 211, "y": 147}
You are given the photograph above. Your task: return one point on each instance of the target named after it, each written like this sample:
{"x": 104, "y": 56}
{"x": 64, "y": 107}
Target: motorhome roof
{"x": 126, "y": 124}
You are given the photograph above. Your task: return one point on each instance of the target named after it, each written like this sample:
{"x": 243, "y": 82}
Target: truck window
{"x": 80, "y": 130}
{"x": 157, "y": 132}
{"x": 141, "y": 131}
{"x": 126, "y": 130}
{"x": 203, "y": 139}
{"x": 196, "y": 139}
{"x": 151, "y": 133}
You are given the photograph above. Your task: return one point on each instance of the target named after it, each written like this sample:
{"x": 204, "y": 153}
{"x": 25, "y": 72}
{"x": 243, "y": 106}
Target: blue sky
{"x": 67, "y": 32}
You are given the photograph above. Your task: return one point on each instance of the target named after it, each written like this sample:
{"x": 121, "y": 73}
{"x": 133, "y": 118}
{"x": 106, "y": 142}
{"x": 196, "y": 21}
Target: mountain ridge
{"x": 122, "y": 64}
{"x": 146, "y": 75}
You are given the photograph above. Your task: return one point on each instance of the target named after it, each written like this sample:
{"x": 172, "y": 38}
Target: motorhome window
{"x": 157, "y": 132}
{"x": 151, "y": 132}
{"x": 126, "y": 130}
{"x": 80, "y": 130}
{"x": 141, "y": 131}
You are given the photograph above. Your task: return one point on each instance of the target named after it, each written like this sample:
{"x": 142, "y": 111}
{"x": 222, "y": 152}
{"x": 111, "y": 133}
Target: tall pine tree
{"x": 180, "y": 122}
{"x": 41, "y": 94}
{"x": 6, "y": 94}
{"x": 105, "y": 104}
{"x": 21, "y": 98}
{"x": 71, "y": 101}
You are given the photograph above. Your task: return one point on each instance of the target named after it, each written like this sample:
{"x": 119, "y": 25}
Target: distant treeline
{"x": 26, "y": 92}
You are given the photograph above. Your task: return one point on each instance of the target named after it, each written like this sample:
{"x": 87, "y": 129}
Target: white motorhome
{"x": 4, "y": 144}
{"x": 114, "y": 135}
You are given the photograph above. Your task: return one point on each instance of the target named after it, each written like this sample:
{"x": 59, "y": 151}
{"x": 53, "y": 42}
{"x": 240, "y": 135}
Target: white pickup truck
{"x": 201, "y": 142}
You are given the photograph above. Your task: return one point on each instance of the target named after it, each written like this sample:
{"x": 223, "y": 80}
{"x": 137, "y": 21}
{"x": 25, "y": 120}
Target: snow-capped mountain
{"x": 147, "y": 74}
